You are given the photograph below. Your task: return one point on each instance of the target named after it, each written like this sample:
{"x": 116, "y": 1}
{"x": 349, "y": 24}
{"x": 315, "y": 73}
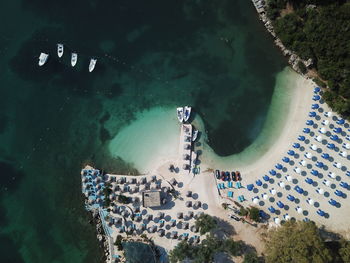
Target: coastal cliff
{"x": 293, "y": 59}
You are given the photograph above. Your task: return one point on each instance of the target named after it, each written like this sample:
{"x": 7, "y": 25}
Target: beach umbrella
{"x": 319, "y": 164}
{"x": 309, "y": 180}
{"x": 325, "y": 156}
{"x": 332, "y": 175}
{"x": 332, "y": 202}
{"x": 344, "y": 185}
{"x": 179, "y": 215}
{"x": 337, "y": 130}
{"x": 250, "y": 187}
{"x": 344, "y": 154}
{"x": 297, "y": 170}
{"x": 266, "y": 178}
{"x": 313, "y": 147}
{"x": 314, "y": 172}
{"x": 277, "y": 220}
{"x": 317, "y": 89}
{"x": 327, "y": 183}
{"x": 340, "y": 121}
{"x": 312, "y": 114}
{"x": 334, "y": 137}
{"x": 330, "y": 146}
{"x": 325, "y": 122}
{"x": 258, "y": 182}
{"x": 320, "y": 212}
{"x": 310, "y": 201}
{"x": 306, "y": 130}
{"x": 328, "y": 114}
{"x": 161, "y": 232}
{"x": 273, "y": 191}
{"x": 272, "y": 172}
{"x": 323, "y": 130}
{"x": 346, "y": 146}
{"x": 296, "y": 145}
{"x": 265, "y": 196}
{"x": 198, "y": 203}
{"x": 316, "y": 97}
{"x": 338, "y": 193}
{"x": 189, "y": 193}
{"x": 286, "y": 217}
{"x": 338, "y": 165}
{"x": 285, "y": 159}
{"x": 291, "y": 152}
{"x": 309, "y": 122}
{"x": 272, "y": 209}
{"x": 299, "y": 210}
{"x": 290, "y": 197}
{"x": 160, "y": 215}
{"x": 188, "y": 203}
{"x": 280, "y": 204}
{"x": 348, "y": 173}
{"x": 320, "y": 191}
{"x": 318, "y": 138}
{"x": 315, "y": 106}
{"x": 282, "y": 184}
{"x": 301, "y": 138}
{"x": 289, "y": 178}
{"x": 303, "y": 163}
{"x": 255, "y": 200}
{"x": 308, "y": 155}
{"x": 279, "y": 166}
{"x": 190, "y": 214}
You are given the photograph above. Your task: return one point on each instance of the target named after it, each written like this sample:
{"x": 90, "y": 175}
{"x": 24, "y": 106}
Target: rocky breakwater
{"x": 293, "y": 59}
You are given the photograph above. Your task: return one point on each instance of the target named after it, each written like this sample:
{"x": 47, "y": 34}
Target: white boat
{"x": 43, "y": 58}
{"x": 92, "y": 64}
{"x": 180, "y": 114}
{"x": 187, "y": 113}
{"x": 74, "y": 59}
{"x": 60, "y": 50}
{"x": 195, "y": 134}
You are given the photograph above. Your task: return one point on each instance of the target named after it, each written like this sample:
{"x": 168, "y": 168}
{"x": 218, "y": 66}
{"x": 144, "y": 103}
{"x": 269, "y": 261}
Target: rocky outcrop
{"x": 293, "y": 59}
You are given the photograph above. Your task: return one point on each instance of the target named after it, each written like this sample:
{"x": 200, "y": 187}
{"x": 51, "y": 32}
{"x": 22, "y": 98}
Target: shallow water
{"x": 212, "y": 55}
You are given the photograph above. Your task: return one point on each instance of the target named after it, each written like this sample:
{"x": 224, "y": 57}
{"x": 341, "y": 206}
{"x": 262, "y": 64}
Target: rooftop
{"x": 151, "y": 199}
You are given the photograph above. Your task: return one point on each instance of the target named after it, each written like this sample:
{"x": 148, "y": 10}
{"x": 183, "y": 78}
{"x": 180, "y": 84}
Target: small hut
{"x": 149, "y": 217}
{"x": 152, "y": 229}
{"x": 143, "y": 180}
{"x": 189, "y": 193}
{"x": 188, "y": 203}
{"x": 190, "y": 214}
{"x": 160, "y": 215}
{"x": 179, "y": 215}
{"x": 185, "y": 225}
{"x": 173, "y": 235}
{"x": 154, "y": 178}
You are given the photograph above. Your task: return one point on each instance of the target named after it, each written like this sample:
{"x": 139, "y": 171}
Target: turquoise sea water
{"x": 213, "y": 55}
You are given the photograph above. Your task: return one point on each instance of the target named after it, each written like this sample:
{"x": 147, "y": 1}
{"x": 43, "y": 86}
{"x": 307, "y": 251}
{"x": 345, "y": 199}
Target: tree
{"x": 344, "y": 251}
{"x": 118, "y": 242}
{"x": 302, "y": 67}
{"x": 182, "y": 251}
{"x": 251, "y": 257}
{"x": 254, "y": 214}
{"x": 224, "y": 205}
{"x": 205, "y": 223}
{"x": 243, "y": 211}
{"x": 296, "y": 241}
{"x": 232, "y": 247}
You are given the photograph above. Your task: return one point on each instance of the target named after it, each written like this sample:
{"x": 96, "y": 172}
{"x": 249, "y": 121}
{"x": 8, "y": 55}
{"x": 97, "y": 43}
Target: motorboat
{"x": 187, "y": 113}
{"x": 180, "y": 114}
{"x": 43, "y": 58}
{"x": 195, "y": 134}
{"x": 74, "y": 59}
{"x": 92, "y": 64}
{"x": 60, "y": 50}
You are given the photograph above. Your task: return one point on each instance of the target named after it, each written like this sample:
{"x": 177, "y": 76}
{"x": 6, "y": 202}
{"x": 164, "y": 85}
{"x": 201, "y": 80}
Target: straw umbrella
{"x": 197, "y": 204}
{"x": 190, "y": 214}
{"x": 160, "y": 215}
{"x": 179, "y": 215}
{"x": 189, "y": 193}
{"x": 161, "y": 232}
{"x": 188, "y": 203}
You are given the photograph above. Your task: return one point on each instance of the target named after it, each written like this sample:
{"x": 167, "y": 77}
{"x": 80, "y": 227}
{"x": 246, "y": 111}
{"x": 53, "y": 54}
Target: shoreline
{"x": 292, "y": 58}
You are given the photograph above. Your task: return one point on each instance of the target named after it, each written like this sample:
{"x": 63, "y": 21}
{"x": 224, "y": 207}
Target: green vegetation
{"x": 205, "y": 223}
{"x": 344, "y": 251}
{"x": 123, "y": 199}
{"x": 118, "y": 242}
{"x": 205, "y": 251}
{"x": 302, "y": 67}
{"x": 243, "y": 211}
{"x": 296, "y": 242}
{"x": 251, "y": 257}
{"x": 254, "y": 214}
{"x": 318, "y": 29}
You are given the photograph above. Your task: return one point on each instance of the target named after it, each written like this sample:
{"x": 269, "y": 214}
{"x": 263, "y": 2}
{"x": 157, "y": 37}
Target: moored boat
{"x": 60, "y": 50}
{"x": 180, "y": 114}
{"x": 187, "y": 113}
{"x": 43, "y": 58}
{"x": 194, "y": 135}
{"x": 92, "y": 64}
{"x": 74, "y": 59}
